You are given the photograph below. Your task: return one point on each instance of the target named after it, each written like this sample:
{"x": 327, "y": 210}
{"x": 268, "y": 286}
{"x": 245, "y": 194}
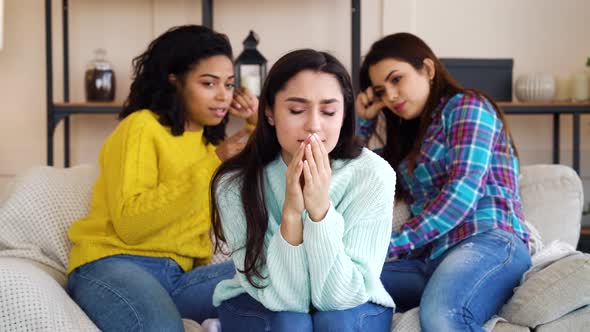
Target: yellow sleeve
{"x": 139, "y": 204}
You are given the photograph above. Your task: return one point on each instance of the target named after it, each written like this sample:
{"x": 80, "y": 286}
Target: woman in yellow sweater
{"x": 136, "y": 263}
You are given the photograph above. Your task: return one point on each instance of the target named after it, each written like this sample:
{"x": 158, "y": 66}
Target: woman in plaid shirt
{"x": 464, "y": 248}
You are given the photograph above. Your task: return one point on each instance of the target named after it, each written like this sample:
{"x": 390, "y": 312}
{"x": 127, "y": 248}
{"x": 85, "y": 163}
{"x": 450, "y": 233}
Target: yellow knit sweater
{"x": 151, "y": 198}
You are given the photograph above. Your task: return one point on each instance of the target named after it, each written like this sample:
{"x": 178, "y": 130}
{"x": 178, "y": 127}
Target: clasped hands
{"x": 308, "y": 181}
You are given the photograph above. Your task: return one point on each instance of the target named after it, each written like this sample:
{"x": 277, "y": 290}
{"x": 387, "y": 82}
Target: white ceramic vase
{"x": 538, "y": 87}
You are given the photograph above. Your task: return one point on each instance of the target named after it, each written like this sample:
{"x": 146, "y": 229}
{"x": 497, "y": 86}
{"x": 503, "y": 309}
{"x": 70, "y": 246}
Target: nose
{"x": 312, "y": 123}
{"x": 223, "y": 93}
{"x": 391, "y": 92}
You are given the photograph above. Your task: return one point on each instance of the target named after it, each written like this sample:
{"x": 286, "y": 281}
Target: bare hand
{"x": 293, "y": 206}
{"x": 368, "y": 104}
{"x": 317, "y": 174}
{"x": 233, "y": 145}
{"x": 244, "y": 105}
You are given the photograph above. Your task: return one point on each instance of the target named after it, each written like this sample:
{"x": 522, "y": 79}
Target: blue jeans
{"x": 244, "y": 313}
{"x": 139, "y": 293}
{"x": 464, "y": 287}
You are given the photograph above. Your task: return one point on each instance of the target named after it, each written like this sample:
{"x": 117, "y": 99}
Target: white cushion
{"x": 36, "y": 216}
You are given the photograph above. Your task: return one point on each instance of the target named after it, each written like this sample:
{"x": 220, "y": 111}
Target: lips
{"x": 218, "y": 112}
{"x": 399, "y": 107}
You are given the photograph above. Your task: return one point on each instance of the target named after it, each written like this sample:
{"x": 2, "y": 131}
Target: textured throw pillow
{"x": 37, "y": 214}
{"x": 31, "y": 300}
{"x": 560, "y": 288}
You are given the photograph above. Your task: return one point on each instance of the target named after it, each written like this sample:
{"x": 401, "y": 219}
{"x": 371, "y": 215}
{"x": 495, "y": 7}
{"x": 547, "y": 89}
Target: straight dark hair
{"x": 404, "y": 138}
{"x": 177, "y": 51}
{"x": 263, "y": 147}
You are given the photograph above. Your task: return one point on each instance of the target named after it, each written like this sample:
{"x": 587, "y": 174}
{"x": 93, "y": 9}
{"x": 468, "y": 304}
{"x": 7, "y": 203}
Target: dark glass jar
{"x": 99, "y": 78}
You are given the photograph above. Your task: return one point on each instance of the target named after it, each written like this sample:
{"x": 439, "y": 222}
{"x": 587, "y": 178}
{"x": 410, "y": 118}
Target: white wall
{"x": 541, "y": 35}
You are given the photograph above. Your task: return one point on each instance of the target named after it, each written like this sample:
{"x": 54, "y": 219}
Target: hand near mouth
{"x": 317, "y": 175}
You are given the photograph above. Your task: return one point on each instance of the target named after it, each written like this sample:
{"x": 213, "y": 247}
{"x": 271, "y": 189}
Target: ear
{"x": 430, "y": 68}
{"x": 173, "y": 79}
{"x": 269, "y": 116}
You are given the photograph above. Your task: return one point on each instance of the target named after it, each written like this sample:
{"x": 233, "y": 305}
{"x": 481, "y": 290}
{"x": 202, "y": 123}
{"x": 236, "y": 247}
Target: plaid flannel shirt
{"x": 465, "y": 180}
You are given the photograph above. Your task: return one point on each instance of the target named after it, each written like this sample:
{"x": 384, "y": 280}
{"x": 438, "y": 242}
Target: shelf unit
{"x": 555, "y": 109}
{"x": 57, "y": 112}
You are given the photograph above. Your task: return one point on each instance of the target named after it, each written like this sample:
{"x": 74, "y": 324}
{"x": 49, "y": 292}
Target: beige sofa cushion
{"x": 558, "y": 289}
{"x": 577, "y": 321}
{"x": 553, "y": 198}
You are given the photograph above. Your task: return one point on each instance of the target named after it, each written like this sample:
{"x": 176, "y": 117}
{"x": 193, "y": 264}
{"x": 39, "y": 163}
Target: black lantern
{"x": 251, "y": 65}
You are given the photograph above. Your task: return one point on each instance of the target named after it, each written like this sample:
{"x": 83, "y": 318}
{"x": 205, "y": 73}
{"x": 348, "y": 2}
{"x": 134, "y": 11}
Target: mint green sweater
{"x": 340, "y": 260}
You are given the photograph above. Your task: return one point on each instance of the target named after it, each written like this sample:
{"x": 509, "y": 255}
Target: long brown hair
{"x": 404, "y": 137}
{"x": 263, "y": 147}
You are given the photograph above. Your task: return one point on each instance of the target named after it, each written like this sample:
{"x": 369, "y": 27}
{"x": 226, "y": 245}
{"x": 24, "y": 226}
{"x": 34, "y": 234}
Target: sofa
{"x": 38, "y": 207}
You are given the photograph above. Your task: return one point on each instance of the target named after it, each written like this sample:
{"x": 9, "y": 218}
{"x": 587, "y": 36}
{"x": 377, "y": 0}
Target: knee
{"x": 440, "y": 317}
{"x": 292, "y": 322}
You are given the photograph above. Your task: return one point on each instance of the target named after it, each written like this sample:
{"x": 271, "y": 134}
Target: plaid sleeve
{"x": 364, "y": 128}
{"x": 471, "y": 129}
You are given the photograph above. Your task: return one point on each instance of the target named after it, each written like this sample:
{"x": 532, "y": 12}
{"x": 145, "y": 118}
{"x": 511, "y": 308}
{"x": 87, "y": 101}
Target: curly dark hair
{"x": 176, "y": 52}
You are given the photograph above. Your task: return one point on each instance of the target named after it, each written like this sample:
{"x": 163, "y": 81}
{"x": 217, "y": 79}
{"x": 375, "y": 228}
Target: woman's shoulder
{"x": 468, "y": 100}
{"x": 228, "y": 184}
{"x": 469, "y": 106}
{"x": 367, "y": 165}
{"x": 142, "y": 119}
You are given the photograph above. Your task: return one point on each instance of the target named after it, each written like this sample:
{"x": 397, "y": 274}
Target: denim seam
{"x": 247, "y": 313}
{"x": 497, "y": 268}
{"x": 108, "y": 288}
{"x": 365, "y": 315}
{"x": 210, "y": 276}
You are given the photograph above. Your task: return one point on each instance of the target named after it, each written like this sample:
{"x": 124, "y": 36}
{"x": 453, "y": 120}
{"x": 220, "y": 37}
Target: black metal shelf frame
{"x": 556, "y": 110}
{"x": 57, "y": 113}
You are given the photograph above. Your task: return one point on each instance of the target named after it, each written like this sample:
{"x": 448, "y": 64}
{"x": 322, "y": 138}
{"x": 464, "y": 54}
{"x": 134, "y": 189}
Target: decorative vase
{"x": 538, "y": 87}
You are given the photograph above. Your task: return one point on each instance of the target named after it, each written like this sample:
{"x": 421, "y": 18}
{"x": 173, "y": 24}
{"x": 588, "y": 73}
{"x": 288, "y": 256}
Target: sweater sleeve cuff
{"x": 281, "y": 250}
{"x": 325, "y": 232}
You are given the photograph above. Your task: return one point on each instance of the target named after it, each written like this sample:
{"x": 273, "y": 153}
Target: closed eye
{"x": 296, "y": 111}
{"x": 379, "y": 92}
{"x": 329, "y": 113}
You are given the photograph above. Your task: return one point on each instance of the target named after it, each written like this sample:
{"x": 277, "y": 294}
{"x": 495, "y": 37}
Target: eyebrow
{"x": 306, "y": 101}
{"x": 389, "y": 75}
{"x": 214, "y": 76}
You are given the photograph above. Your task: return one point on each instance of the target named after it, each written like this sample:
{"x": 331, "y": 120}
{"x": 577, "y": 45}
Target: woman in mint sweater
{"x": 304, "y": 210}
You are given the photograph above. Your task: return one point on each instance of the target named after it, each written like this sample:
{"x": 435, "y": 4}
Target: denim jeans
{"x": 139, "y": 293}
{"x": 464, "y": 287}
{"x": 244, "y": 313}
